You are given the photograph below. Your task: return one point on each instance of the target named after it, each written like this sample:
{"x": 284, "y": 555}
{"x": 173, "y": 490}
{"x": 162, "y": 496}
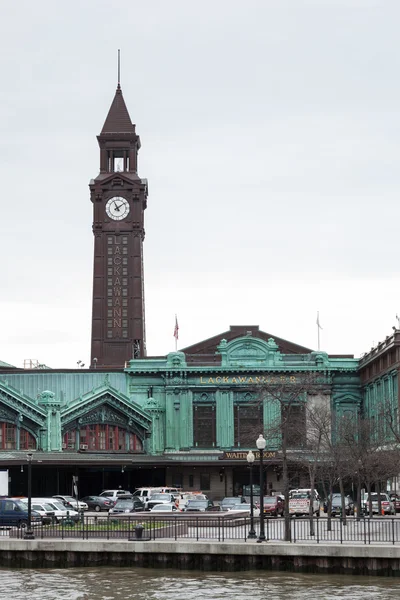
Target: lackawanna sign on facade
{"x": 243, "y": 455}
{"x": 248, "y": 379}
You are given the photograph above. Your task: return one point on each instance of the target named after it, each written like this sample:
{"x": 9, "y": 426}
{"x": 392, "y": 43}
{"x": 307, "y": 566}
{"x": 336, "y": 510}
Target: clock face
{"x": 117, "y": 208}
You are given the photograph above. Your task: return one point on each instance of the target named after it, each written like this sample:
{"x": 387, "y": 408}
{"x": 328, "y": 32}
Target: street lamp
{"x": 250, "y": 459}
{"x": 260, "y": 443}
{"x": 28, "y": 535}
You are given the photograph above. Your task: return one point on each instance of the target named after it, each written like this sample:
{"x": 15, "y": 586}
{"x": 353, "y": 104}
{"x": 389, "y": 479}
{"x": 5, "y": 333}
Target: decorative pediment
{"x": 249, "y": 352}
{"x": 121, "y": 179}
{"x": 104, "y": 414}
{"x": 203, "y": 397}
{"x": 347, "y": 398}
{"x": 7, "y": 414}
{"x": 153, "y": 405}
{"x": 176, "y": 360}
{"x": 105, "y": 405}
{"x": 17, "y": 406}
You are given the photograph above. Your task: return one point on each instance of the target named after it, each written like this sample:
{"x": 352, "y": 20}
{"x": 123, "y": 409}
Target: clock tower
{"x": 119, "y": 198}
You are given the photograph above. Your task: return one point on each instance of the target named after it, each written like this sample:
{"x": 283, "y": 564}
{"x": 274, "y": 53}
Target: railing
{"x": 379, "y": 530}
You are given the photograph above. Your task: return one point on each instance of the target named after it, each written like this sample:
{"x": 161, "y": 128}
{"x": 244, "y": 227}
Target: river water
{"x": 156, "y": 584}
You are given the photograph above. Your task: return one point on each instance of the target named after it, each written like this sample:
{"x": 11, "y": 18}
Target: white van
{"x": 114, "y": 494}
{"x": 145, "y": 492}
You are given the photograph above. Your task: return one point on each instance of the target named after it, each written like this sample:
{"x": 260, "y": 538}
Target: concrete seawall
{"x": 226, "y": 556}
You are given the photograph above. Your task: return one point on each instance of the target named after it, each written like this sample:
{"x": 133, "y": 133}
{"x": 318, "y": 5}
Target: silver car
{"x": 164, "y": 508}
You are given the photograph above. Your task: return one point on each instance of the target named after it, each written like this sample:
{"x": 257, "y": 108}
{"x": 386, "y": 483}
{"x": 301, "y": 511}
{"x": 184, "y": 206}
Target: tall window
{"x": 204, "y": 427}
{"x": 294, "y": 424}
{"x": 70, "y": 440}
{"x": 26, "y": 440}
{"x": 248, "y": 419}
{"x": 102, "y": 437}
{"x": 204, "y": 481}
{"x": 9, "y": 436}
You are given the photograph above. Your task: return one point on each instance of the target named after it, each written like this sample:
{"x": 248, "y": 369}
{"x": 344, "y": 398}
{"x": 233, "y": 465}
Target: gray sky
{"x": 270, "y": 138}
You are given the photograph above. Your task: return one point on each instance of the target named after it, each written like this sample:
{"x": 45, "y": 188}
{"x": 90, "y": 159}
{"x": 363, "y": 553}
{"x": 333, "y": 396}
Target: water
{"x": 156, "y": 584}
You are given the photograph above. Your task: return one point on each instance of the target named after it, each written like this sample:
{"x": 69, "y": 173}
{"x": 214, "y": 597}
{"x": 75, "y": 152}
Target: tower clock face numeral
{"x": 117, "y": 208}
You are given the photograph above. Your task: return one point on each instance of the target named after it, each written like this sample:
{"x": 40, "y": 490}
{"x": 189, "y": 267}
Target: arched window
{"x": 102, "y": 437}
{"x": 9, "y": 438}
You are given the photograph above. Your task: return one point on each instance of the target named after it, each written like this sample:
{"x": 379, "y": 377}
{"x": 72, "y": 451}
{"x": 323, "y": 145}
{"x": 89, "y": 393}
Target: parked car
{"x": 60, "y": 511}
{"x": 387, "y": 505}
{"x": 201, "y": 506}
{"x": 159, "y": 499}
{"x": 184, "y": 497}
{"x": 336, "y": 508}
{"x": 114, "y": 494}
{"x": 99, "y": 503}
{"x": 273, "y": 506}
{"x": 127, "y": 505}
{"x": 230, "y": 502}
{"x": 245, "y": 507}
{"x": 15, "y": 513}
{"x": 395, "y": 498}
{"x": 45, "y": 510}
{"x": 72, "y": 502}
{"x": 300, "y": 501}
{"x": 146, "y": 492}
{"x": 164, "y": 508}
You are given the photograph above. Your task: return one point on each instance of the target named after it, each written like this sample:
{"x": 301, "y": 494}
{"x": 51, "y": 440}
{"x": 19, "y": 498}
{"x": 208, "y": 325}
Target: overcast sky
{"x": 271, "y": 141}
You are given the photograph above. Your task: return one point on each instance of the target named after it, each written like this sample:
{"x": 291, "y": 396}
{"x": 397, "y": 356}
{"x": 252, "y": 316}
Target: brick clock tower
{"x": 119, "y": 198}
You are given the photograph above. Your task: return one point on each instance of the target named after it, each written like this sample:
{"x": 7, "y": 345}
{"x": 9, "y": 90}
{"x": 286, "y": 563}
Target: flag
{"x": 319, "y": 326}
{"x": 176, "y": 330}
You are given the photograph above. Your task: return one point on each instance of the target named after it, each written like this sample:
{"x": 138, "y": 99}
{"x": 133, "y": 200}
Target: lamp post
{"x": 28, "y": 535}
{"x": 260, "y": 443}
{"x": 250, "y": 459}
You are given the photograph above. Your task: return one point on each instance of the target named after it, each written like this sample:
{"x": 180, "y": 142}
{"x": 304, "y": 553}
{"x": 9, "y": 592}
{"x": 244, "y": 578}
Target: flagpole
{"x": 176, "y": 333}
{"x": 318, "y": 328}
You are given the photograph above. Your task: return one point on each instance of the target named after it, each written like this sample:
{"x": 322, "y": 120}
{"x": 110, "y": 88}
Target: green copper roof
{"x": 67, "y": 386}
{"x": 6, "y": 365}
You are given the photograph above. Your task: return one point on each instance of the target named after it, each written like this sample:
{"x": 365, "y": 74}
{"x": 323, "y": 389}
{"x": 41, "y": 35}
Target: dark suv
{"x": 336, "y": 508}
{"x": 15, "y": 513}
{"x": 127, "y": 505}
{"x": 200, "y": 506}
{"x": 230, "y": 502}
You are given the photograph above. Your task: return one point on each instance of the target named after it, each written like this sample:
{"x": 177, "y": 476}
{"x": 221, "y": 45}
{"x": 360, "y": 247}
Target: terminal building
{"x": 187, "y": 419}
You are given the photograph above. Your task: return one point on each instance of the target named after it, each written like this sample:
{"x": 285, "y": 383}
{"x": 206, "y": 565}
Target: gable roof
{"x": 209, "y": 346}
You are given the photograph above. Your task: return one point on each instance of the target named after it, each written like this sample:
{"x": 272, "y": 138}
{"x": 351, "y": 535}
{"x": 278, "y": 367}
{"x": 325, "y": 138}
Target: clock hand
{"x": 116, "y": 206}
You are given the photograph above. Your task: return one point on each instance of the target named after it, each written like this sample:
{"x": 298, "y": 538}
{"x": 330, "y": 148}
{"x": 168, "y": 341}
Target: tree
{"x": 324, "y": 459}
{"x": 285, "y": 401}
{"x": 373, "y": 460}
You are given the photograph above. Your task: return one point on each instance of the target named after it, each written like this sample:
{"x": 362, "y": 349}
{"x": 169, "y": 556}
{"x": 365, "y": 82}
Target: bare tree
{"x": 372, "y": 459}
{"x": 318, "y": 435}
{"x": 285, "y": 398}
{"x": 327, "y": 459}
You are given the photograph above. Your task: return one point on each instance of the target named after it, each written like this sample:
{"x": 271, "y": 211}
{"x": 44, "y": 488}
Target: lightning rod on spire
{"x": 119, "y": 67}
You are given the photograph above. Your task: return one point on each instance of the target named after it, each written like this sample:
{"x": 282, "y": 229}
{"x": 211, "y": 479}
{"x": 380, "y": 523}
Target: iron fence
{"x": 377, "y": 530}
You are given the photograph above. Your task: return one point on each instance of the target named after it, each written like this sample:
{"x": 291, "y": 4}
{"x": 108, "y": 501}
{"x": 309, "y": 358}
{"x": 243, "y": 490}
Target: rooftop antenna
{"x": 119, "y": 68}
